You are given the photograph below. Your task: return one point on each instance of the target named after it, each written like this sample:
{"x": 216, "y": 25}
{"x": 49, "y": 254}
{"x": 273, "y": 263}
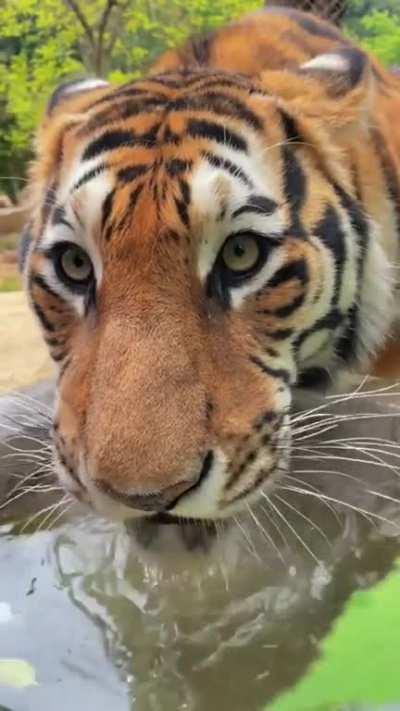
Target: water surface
{"x": 156, "y": 619}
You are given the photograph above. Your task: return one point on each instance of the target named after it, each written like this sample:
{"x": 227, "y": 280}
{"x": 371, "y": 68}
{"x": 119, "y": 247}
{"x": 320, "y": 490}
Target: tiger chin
{"x": 203, "y": 241}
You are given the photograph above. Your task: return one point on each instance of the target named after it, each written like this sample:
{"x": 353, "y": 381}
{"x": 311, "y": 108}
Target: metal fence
{"x": 332, "y": 10}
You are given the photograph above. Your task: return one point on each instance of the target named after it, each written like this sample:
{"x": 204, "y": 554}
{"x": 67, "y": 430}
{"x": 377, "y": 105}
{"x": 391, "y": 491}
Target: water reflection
{"x": 142, "y": 620}
{"x": 209, "y": 638}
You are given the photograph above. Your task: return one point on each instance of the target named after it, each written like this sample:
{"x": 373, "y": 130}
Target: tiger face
{"x": 197, "y": 251}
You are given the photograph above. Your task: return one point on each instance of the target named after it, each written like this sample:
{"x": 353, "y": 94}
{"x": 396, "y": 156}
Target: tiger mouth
{"x": 193, "y": 533}
{"x": 167, "y": 519}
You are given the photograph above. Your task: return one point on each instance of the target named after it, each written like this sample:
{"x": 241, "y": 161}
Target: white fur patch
{"x": 85, "y": 85}
{"x": 203, "y": 502}
{"x": 329, "y": 62}
{"x": 85, "y": 204}
{"x": 214, "y": 189}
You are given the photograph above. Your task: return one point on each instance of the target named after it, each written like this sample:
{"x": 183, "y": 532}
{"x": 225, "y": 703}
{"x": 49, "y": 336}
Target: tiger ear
{"x": 341, "y": 72}
{"x": 336, "y": 88}
{"x": 73, "y": 90}
{"x": 68, "y": 106}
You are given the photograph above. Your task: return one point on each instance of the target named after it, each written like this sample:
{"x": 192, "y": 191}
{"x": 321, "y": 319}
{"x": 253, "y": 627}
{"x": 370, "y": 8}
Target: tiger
{"x": 204, "y": 241}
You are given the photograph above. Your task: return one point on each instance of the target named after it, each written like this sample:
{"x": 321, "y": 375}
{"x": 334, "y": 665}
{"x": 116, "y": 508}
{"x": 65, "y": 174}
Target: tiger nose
{"x": 162, "y": 500}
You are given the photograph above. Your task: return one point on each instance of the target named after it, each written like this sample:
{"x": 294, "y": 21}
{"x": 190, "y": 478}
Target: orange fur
{"x": 143, "y": 369}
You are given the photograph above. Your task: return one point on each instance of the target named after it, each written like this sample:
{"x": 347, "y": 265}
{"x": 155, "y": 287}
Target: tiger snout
{"x": 164, "y": 430}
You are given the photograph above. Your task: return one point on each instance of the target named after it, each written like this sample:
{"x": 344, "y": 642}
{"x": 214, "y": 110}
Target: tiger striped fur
{"x": 203, "y": 241}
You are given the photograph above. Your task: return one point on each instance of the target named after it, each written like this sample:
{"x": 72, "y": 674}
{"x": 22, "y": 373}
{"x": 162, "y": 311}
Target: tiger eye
{"x": 76, "y": 264}
{"x": 241, "y": 253}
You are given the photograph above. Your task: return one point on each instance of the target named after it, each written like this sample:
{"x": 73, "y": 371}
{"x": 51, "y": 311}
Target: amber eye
{"x": 241, "y": 253}
{"x": 73, "y": 265}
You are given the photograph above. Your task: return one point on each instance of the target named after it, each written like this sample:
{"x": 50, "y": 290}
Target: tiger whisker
{"x": 61, "y": 513}
{"x": 23, "y": 480}
{"x": 291, "y": 528}
{"x": 383, "y": 496}
{"x": 346, "y": 504}
{"x": 305, "y": 518}
{"x": 36, "y": 515}
{"x": 56, "y": 506}
{"x": 251, "y": 548}
{"x": 265, "y": 534}
{"x": 302, "y": 482}
{"x": 271, "y": 519}
{"x": 314, "y": 455}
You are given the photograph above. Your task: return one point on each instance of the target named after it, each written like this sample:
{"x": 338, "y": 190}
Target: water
{"x": 157, "y": 618}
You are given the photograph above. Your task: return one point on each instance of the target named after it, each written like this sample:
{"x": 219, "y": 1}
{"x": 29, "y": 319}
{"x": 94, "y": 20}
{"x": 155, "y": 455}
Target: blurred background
{"x": 46, "y": 42}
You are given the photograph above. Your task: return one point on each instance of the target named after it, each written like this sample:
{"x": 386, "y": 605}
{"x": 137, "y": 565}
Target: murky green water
{"x": 136, "y": 620}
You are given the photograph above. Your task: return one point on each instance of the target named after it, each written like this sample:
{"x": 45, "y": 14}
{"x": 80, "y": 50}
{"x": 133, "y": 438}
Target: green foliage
{"x": 375, "y": 24}
{"x": 383, "y": 36}
{"x": 359, "y": 661}
{"x": 46, "y": 42}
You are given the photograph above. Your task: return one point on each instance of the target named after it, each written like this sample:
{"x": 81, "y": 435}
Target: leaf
{"x": 360, "y": 658}
{"x": 17, "y": 673}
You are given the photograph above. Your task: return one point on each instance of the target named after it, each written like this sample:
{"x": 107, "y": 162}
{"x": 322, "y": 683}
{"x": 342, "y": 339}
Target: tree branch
{"x": 83, "y": 21}
{"x": 102, "y": 28}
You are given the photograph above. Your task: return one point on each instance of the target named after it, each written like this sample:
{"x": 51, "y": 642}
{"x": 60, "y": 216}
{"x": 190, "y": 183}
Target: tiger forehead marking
{"x": 203, "y": 242}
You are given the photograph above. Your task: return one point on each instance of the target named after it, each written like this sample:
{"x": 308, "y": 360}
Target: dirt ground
{"x": 23, "y": 356}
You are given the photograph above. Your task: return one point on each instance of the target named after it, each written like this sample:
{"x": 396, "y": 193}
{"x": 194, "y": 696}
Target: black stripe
{"x": 48, "y": 203}
{"x": 218, "y": 162}
{"x": 216, "y": 289}
{"x": 182, "y": 210}
{"x": 107, "y": 208}
{"x": 294, "y": 270}
{"x": 200, "y": 128}
{"x": 171, "y": 137}
{"x": 108, "y": 141}
{"x": 295, "y": 183}
{"x": 206, "y": 82}
{"x": 47, "y": 325}
{"x": 347, "y": 345}
{"x": 57, "y": 357}
{"x": 259, "y": 204}
{"x": 165, "y": 80}
{"x": 280, "y": 334}
{"x": 285, "y": 311}
{"x": 121, "y": 112}
{"x": 185, "y": 191}
{"x": 63, "y": 368}
{"x": 221, "y": 104}
{"x": 90, "y": 175}
{"x": 315, "y": 377}
{"x": 329, "y": 230}
{"x": 127, "y": 218}
{"x": 290, "y": 127}
{"x": 331, "y": 321}
{"x": 294, "y": 188}
{"x": 130, "y": 173}
{"x": 260, "y": 478}
{"x": 59, "y": 217}
{"x": 40, "y": 282}
{"x": 127, "y": 90}
{"x": 176, "y": 166}
{"x": 279, "y": 373}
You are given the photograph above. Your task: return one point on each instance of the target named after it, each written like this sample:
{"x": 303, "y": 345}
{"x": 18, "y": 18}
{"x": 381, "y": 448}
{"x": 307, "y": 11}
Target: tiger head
{"x": 197, "y": 251}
